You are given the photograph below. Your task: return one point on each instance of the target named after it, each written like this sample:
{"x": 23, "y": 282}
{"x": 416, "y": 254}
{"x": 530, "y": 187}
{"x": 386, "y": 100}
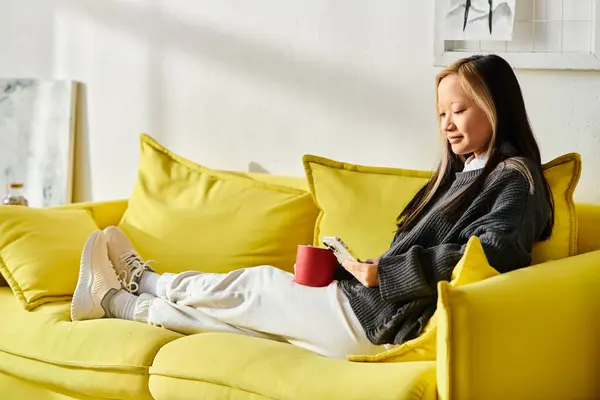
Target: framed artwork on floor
{"x": 37, "y": 129}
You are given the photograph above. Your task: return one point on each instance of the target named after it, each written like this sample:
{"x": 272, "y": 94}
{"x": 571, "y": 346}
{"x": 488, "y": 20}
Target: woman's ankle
{"x": 122, "y": 305}
{"x": 148, "y": 283}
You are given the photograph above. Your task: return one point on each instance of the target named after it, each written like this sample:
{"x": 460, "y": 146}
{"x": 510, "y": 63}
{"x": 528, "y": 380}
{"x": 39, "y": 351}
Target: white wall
{"x": 256, "y": 84}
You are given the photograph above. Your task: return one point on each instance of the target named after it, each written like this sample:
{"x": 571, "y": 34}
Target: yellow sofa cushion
{"x": 40, "y": 250}
{"x": 106, "y": 358}
{"x": 221, "y": 365}
{"x": 563, "y": 175}
{"x": 472, "y": 267}
{"x": 528, "y": 334}
{"x": 360, "y": 203}
{"x": 189, "y": 217}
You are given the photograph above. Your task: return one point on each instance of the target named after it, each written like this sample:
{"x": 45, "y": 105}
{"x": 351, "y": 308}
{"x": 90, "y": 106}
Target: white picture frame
{"x": 446, "y": 52}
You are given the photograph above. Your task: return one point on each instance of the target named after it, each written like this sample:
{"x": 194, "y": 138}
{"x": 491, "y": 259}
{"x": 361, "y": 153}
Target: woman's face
{"x": 463, "y": 122}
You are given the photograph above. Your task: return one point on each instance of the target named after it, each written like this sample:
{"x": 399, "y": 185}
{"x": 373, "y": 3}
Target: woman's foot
{"x": 125, "y": 259}
{"x": 97, "y": 281}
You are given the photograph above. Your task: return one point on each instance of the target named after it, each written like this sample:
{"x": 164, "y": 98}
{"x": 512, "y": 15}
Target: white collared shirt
{"x": 474, "y": 163}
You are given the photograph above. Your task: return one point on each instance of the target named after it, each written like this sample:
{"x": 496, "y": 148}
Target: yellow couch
{"x": 548, "y": 348}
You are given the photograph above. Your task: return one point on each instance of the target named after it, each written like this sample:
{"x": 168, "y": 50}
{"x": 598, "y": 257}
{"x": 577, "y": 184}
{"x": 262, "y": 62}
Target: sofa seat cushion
{"x": 105, "y": 358}
{"x": 15, "y": 388}
{"x": 221, "y": 365}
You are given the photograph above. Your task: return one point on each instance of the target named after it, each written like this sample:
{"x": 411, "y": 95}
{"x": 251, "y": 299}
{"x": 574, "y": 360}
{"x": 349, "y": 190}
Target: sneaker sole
{"x": 83, "y": 306}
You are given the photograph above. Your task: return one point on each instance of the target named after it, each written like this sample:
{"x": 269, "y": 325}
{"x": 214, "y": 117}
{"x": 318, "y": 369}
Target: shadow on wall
{"x": 332, "y": 85}
{"x": 257, "y": 168}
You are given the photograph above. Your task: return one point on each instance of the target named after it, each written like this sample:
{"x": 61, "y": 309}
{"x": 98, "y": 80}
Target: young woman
{"x": 489, "y": 184}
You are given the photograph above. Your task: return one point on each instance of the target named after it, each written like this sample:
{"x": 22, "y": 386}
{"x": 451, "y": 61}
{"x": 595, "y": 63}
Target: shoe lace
{"x": 137, "y": 268}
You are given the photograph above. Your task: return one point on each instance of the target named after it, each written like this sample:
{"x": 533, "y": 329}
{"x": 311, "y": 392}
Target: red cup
{"x": 314, "y": 266}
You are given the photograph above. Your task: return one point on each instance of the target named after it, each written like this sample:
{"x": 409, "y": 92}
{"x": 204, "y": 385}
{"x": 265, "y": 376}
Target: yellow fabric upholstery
{"x": 360, "y": 204}
{"x": 528, "y": 334}
{"x": 281, "y": 180}
{"x": 563, "y": 175}
{"x": 251, "y": 367}
{"x": 185, "y": 216}
{"x": 373, "y": 197}
{"x": 17, "y": 389}
{"x": 472, "y": 267}
{"x": 105, "y": 358}
{"x": 588, "y": 239}
{"x": 166, "y": 387}
{"x": 40, "y": 250}
{"x": 105, "y": 213}
{"x": 515, "y": 336}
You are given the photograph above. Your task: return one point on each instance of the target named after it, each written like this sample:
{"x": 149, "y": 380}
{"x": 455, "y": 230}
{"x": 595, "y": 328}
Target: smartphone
{"x": 339, "y": 248}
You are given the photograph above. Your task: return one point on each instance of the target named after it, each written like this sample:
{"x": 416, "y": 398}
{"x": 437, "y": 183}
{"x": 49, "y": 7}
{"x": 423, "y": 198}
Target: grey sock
{"x": 106, "y": 301}
{"x": 121, "y": 304}
{"x": 148, "y": 283}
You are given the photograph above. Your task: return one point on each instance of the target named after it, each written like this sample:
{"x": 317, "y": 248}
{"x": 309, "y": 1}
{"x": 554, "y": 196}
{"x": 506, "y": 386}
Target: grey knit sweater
{"x": 506, "y": 217}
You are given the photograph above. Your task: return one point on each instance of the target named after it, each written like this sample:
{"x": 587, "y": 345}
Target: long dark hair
{"x": 490, "y": 81}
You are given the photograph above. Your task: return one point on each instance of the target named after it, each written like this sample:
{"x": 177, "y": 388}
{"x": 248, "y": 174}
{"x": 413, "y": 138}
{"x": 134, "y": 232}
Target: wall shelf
{"x": 548, "y": 34}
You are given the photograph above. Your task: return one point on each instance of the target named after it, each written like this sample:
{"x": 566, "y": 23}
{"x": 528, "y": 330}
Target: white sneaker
{"x": 127, "y": 262}
{"x": 97, "y": 278}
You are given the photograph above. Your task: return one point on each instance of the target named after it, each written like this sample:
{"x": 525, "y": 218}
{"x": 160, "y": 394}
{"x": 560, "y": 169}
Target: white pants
{"x": 260, "y": 301}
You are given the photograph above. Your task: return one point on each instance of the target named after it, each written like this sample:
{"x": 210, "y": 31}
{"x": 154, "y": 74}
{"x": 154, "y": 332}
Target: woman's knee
{"x": 270, "y": 275}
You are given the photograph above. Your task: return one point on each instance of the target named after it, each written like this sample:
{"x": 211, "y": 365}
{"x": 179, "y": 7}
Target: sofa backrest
{"x": 283, "y": 180}
{"x": 110, "y": 213}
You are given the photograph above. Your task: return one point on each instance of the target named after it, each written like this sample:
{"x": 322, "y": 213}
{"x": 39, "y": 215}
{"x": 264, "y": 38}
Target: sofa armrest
{"x": 531, "y": 333}
{"x": 105, "y": 213}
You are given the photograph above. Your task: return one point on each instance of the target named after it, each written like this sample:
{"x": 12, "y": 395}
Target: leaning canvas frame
{"x": 444, "y": 55}
{"x": 37, "y": 135}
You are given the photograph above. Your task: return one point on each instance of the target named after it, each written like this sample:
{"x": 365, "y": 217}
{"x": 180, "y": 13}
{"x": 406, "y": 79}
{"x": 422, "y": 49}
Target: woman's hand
{"x": 366, "y": 272}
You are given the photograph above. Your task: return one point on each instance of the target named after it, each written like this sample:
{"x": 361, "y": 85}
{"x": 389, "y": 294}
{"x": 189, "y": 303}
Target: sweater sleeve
{"x": 341, "y": 274}
{"x": 507, "y": 234}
